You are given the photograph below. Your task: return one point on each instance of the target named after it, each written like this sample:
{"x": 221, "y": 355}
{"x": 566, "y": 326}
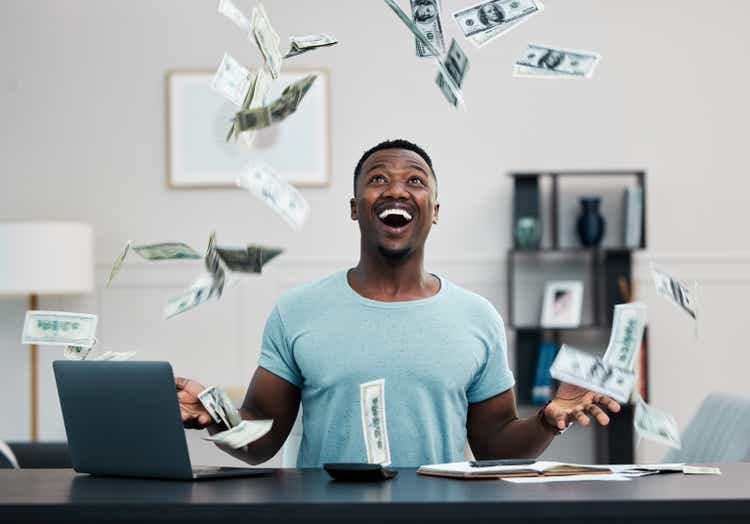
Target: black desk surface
{"x": 309, "y": 496}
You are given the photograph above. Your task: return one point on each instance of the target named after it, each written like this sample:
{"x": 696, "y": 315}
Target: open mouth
{"x": 395, "y": 217}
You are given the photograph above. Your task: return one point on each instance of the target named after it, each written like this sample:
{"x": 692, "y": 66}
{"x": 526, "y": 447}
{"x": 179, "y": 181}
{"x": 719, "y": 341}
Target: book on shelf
{"x": 464, "y": 470}
{"x": 633, "y": 217}
{"x": 541, "y": 392}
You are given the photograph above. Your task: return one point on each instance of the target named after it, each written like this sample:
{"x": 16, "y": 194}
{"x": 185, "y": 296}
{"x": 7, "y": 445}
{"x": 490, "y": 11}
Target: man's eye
{"x": 416, "y": 180}
{"x": 377, "y": 178}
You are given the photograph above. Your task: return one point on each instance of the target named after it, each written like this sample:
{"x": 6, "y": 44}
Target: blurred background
{"x": 85, "y": 137}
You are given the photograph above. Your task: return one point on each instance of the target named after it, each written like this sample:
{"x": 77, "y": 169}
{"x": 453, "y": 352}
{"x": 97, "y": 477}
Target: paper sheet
{"x": 566, "y": 478}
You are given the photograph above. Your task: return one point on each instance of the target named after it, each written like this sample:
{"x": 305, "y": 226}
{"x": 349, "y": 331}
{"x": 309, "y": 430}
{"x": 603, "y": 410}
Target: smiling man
{"x": 441, "y": 349}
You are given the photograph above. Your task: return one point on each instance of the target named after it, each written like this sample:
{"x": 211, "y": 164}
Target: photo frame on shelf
{"x": 563, "y": 302}
{"x": 198, "y": 155}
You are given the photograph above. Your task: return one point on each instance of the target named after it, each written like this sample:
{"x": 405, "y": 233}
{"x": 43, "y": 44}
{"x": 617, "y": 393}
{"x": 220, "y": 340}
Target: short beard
{"x": 394, "y": 254}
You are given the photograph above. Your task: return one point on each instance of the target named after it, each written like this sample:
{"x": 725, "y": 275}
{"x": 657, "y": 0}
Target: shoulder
{"x": 473, "y": 304}
{"x": 311, "y": 293}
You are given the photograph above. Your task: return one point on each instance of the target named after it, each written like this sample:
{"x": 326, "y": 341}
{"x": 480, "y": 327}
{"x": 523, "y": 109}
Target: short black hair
{"x": 397, "y": 143}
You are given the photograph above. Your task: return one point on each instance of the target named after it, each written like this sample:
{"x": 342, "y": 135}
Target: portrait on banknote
{"x": 199, "y": 155}
{"x": 491, "y": 14}
{"x": 563, "y": 301}
{"x": 425, "y": 11}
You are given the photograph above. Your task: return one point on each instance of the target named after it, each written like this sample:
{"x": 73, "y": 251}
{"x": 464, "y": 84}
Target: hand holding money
{"x": 575, "y": 404}
{"x": 192, "y": 412}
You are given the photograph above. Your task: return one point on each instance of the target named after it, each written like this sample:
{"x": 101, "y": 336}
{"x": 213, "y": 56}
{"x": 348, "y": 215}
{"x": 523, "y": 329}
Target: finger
{"x": 561, "y": 420}
{"x": 204, "y": 419}
{"x": 604, "y": 400}
{"x": 599, "y": 414}
{"x": 581, "y": 418}
{"x": 180, "y": 382}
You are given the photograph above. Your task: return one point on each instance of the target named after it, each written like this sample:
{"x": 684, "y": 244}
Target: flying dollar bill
{"x": 426, "y": 17}
{"x": 267, "y": 39}
{"x": 232, "y": 80}
{"x": 656, "y": 425}
{"x": 59, "y": 328}
{"x": 233, "y": 13}
{"x": 628, "y": 324}
{"x": 244, "y": 433}
{"x": 374, "y": 427}
{"x": 118, "y": 262}
{"x": 198, "y": 293}
{"x": 489, "y": 19}
{"x": 279, "y": 110}
{"x": 590, "y": 372}
{"x": 78, "y": 352}
{"x": 303, "y": 44}
{"x": 250, "y": 259}
{"x": 669, "y": 287}
{"x": 215, "y": 267}
{"x": 264, "y": 183}
{"x": 456, "y": 63}
{"x": 166, "y": 251}
{"x": 256, "y": 97}
{"x": 434, "y": 53}
{"x": 114, "y": 356}
{"x": 541, "y": 61}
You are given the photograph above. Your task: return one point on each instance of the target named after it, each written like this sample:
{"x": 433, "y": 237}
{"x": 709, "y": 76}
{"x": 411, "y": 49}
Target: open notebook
{"x": 463, "y": 470}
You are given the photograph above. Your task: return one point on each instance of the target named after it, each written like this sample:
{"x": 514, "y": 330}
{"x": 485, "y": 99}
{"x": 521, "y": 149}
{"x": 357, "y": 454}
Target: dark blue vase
{"x": 591, "y": 225}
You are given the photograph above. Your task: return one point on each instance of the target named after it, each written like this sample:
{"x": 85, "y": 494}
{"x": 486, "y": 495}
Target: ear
{"x": 353, "y": 205}
{"x": 435, "y": 212}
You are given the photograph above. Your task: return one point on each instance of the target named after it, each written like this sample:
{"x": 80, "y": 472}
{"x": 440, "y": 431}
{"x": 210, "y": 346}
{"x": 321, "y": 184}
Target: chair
{"x": 7, "y": 458}
{"x": 42, "y": 454}
{"x": 719, "y": 432}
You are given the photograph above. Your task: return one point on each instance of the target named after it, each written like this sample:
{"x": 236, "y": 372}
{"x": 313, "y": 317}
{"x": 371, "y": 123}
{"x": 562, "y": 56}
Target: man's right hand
{"x": 194, "y": 415}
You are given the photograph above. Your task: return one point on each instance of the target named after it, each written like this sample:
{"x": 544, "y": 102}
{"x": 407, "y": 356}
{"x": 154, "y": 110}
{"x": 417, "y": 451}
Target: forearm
{"x": 516, "y": 438}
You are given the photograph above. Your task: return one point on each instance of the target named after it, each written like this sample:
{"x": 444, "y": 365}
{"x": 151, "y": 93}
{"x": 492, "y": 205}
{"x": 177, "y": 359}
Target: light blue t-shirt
{"x": 436, "y": 355}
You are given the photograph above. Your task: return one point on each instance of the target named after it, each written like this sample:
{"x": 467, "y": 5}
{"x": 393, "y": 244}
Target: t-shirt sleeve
{"x": 493, "y": 376}
{"x": 275, "y": 354}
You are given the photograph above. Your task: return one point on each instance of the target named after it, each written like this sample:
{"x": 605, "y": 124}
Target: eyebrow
{"x": 411, "y": 164}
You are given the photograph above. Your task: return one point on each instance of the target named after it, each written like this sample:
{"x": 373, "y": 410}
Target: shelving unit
{"x": 607, "y": 269}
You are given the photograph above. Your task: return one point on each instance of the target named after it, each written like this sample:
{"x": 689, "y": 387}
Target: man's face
{"x": 492, "y": 13}
{"x": 424, "y": 11}
{"x": 396, "y": 202}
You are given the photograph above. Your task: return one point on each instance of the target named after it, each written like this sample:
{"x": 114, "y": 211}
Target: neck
{"x": 382, "y": 278}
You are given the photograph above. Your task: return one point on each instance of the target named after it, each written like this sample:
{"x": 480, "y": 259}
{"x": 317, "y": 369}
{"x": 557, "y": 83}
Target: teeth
{"x": 394, "y": 211}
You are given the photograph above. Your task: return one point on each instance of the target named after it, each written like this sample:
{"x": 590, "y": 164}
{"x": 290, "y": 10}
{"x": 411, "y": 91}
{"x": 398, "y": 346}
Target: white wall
{"x": 82, "y": 137}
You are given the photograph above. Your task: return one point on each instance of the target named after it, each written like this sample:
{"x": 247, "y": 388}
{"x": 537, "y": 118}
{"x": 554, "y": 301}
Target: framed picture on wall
{"x": 563, "y": 301}
{"x": 198, "y": 155}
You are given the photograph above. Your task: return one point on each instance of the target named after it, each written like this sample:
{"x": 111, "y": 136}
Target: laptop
{"x": 123, "y": 419}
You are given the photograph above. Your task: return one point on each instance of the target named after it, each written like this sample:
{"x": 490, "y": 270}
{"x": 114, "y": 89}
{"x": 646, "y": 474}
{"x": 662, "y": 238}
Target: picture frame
{"x": 562, "y": 305}
{"x": 197, "y": 121}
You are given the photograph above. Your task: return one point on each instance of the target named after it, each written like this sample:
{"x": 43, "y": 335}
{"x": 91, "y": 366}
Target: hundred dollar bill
{"x": 232, "y": 80}
{"x": 215, "y": 267}
{"x": 669, "y": 287}
{"x": 554, "y": 62}
{"x": 625, "y": 339}
{"x": 250, "y": 259}
{"x": 267, "y": 39}
{"x": 244, "y": 433}
{"x": 118, "y": 262}
{"x": 166, "y": 251}
{"x": 59, "y": 328}
{"x": 590, "y": 372}
{"x": 198, "y": 292}
{"x": 220, "y": 407}
{"x": 434, "y": 53}
{"x": 78, "y": 352}
{"x": 231, "y": 11}
{"x": 281, "y": 108}
{"x": 264, "y": 183}
{"x": 256, "y": 97}
{"x": 374, "y": 427}
{"x": 426, "y": 17}
{"x": 303, "y": 44}
{"x": 489, "y": 19}
{"x": 115, "y": 356}
{"x": 456, "y": 63}
{"x": 656, "y": 425}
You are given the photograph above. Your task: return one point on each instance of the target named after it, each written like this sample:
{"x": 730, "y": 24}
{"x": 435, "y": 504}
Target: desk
{"x": 309, "y": 496}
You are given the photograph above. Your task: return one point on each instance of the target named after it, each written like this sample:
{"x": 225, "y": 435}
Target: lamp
{"x": 44, "y": 258}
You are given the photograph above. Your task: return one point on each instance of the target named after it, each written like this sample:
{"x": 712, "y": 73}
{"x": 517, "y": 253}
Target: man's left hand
{"x": 574, "y": 404}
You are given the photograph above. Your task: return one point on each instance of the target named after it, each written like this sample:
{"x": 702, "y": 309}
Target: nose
{"x": 396, "y": 189}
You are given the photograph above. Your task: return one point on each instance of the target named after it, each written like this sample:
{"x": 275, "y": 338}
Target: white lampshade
{"x": 50, "y": 258}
